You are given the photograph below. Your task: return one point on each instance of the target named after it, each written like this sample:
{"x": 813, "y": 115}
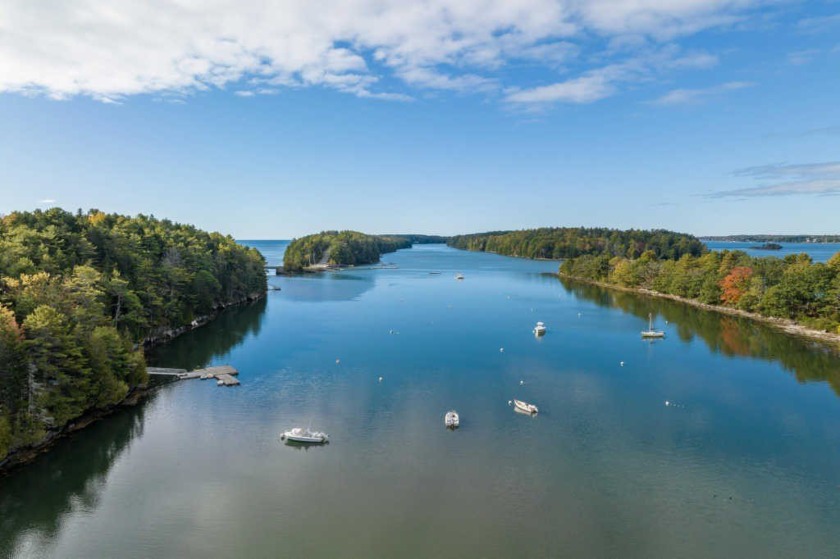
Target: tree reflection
{"x": 199, "y": 347}
{"x": 35, "y": 497}
{"x": 71, "y": 475}
{"x": 729, "y": 335}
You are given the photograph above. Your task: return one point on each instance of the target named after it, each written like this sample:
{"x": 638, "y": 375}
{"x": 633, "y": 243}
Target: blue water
{"x": 723, "y": 440}
{"x": 272, "y": 251}
{"x": 819, "y": 252}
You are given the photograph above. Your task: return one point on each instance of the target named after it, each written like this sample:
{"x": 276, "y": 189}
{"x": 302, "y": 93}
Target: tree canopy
{"x": 80, "y": 293}
{"x": 569, "y": 242}
{"x": 339, "y": 248}
{"x": 793, "y": 287}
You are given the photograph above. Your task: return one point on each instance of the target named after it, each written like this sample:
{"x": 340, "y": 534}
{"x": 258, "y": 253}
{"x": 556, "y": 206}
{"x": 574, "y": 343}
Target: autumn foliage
{"x": 735, "y": 284}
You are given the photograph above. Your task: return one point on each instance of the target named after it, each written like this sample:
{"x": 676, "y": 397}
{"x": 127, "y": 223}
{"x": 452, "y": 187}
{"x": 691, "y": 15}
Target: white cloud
{"x": 585, "y": 89}
{"x": 599, "y": 83}
{"x": 786, "y": 179}
{"x": 110, "y": 50}
{"x": 687, "y": 96}
{"x": 46, "y": 202}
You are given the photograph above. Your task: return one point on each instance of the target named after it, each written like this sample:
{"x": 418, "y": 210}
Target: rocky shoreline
{"x": 25, "y": 454}
{"x": 786, "y": 325}
{"x": 166, "y": 334}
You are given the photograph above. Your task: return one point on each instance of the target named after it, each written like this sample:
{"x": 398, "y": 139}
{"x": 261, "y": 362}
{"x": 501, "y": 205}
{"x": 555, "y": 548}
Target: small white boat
{"x": 301, "y": 435}
{"x": 451, "y": 419}
{"x": 524, "y": 406}
{"x": 539, "y": 329}
{"x": 459, "y": 276}
{"x": 650, "y": 332}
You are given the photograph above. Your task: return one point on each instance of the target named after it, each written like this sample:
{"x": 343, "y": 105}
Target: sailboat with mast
{"x": 650, "y": 332}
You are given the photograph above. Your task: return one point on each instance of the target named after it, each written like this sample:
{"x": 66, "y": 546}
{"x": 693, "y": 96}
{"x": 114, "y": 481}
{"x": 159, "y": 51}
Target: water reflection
{"x": 729, "y": 335}
{"x": 35, "y": 499}
{"x": 328, "y": 287}
{"x": 201, "y": 346}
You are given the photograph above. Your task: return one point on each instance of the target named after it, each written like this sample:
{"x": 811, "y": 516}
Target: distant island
{"x": 774, "y": 238}
{"x": 330, "y": 249}
{"x": 570, "y": 242}
{"x": 767, "y": 246}
{"x": 80, "y": 294}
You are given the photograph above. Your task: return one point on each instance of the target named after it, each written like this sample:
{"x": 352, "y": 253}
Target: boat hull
{"x": 653, "y": 334}
{"x": 526, "y": 407}
{"x": 304, "y": 436}
{"x": 307, "y": 440}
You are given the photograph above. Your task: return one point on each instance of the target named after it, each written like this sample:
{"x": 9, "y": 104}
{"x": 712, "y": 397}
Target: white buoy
{"x": 666, "y": 322}
{"x": 510, "y": 402}
{"x": 501, "y": 350}
{"x": 380, "y": 379}
{"x": 622, "y": 363}
{"x": 578, "y": 315}
{"x": 337, "y": 361}
{"x": 667, "y": 403}
{"x": 521, "y": 382}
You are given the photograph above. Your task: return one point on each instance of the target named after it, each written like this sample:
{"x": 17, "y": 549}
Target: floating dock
{"x": 224, "y": 374}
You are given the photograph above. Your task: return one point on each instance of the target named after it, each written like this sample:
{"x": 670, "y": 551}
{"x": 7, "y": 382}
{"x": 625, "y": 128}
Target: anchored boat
{"x": 451, "y": 419}
{"x": 525, "y": 406}
{"x": 650, "y": 332}
{"x": 539, "y": 329}
{"x": 301, "y": 435}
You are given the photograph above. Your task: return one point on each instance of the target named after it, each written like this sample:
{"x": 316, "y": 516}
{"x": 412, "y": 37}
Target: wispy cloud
{"x": 603, "y": 82}
{"x": 584, "y": 89}
{"x": 819, "y": 24}
{"x": 109, "y": 51}
{"x": 787, "y": 179}
{"x": 688, "y": 96}
{"x": 46, "y": 202}
{"x": 802, "y": 57}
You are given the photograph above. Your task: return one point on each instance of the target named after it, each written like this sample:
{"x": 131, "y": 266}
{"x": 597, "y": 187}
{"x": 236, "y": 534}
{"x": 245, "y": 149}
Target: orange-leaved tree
{"x": 735, "y": 284}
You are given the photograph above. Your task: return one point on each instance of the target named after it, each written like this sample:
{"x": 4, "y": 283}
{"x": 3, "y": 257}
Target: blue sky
{"x": 276, "y": 120}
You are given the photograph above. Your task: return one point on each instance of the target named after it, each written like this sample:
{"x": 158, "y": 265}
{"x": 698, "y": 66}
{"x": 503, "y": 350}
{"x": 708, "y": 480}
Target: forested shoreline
{"x": 340, "y": 248}
{"x": 79, "y": 296}
{"x": 774, "y": 238}
{"x": 793, "y": 288}
{"x": 570, "y": 242}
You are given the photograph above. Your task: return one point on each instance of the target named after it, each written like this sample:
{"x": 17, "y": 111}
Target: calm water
{"x": 743, "y": 462}
{"x": 819, "y": 252}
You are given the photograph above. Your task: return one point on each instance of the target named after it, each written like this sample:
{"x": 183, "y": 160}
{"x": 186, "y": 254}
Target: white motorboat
{"x": 459, "y": 276}
{"x": 539, "y": 329}
{"x": 525, "y": 406}
{"x": 451, "y": 419}
{"x": 650, "y": 332}
{"x": 301, "y": 435}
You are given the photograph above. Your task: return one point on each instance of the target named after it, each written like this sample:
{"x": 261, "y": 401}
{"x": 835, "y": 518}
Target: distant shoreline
{"x": 786, "y": 325}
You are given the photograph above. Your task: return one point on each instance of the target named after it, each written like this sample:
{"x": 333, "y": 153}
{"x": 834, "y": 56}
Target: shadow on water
{"x": 34, "y": 499}
{"x": 327, "y": 287}
{"x": 198, "y": 348}
{"x": 732, "y": 336}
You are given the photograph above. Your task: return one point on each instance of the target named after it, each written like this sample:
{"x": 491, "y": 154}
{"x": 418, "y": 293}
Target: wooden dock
{"x": 223, "y": 374}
